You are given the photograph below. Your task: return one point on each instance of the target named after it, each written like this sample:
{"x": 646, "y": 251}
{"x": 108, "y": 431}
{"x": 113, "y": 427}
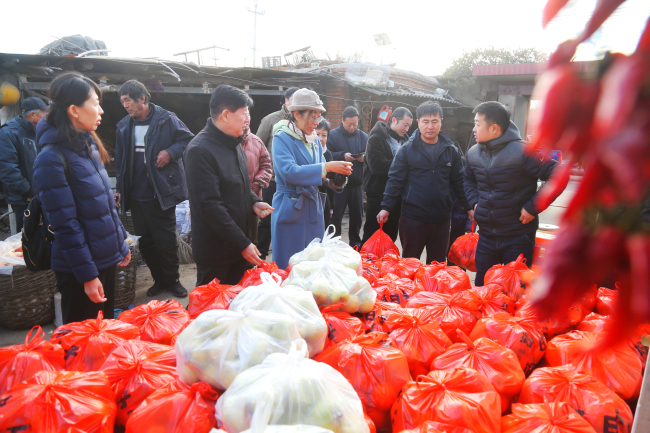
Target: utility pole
{"x": 255, "y": 13}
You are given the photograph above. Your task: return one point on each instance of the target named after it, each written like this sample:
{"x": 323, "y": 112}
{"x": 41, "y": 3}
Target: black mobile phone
{"x": 358, "y": 155}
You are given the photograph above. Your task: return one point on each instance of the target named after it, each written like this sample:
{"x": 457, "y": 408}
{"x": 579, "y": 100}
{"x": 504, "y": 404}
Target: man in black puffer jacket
{"x": 501, "y": 186}
{"x": 425, "y": 171}
{"x": 384, "y": 141}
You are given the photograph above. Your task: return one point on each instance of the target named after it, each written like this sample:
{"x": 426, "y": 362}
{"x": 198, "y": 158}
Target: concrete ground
{"x": 188, "y": 272}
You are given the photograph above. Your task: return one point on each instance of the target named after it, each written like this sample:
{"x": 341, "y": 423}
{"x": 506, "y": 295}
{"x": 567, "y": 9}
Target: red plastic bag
{"x": 21, "y": 361}
{"x": 636, "y": 343}
{"x": 436, "y": 427}
{"x": 510, "y": 276}
{"x": 380, "y": 244}
{"x": 403, "y": 268}
{"x": 492, "y": 298}
{"x": 497, "y": 363}
{"x": 441, "y": 278}
{"x": 212, "y": 296}
{"x": 370, "y": 272}
{"x": 606, "y": 302}
{"x": 368, "y": 257}
{"x": 544, "y": 418}
{"x": 374, "y": 321}
{"x": 376, "y": 369}
{"x": 617, "y": 367}
{"x": 61, "y": 402}
{"x": 158, "y": 320}
{"x": 460, "y": 397}
{"x": 520, "y": 334}
{"x": 557, "y": 323}
{"x": 599, "y": 405}
{"x": 370, "y": 423}
{"x": 176, "y": 408}
{"x": 340, "y": 325}
{"x": 453, "y": 312}
{"x": 252, "y": 276}
{"x": 172, "y": 341}
{"x": 594, "y": 322}
{"x": 415, "y": 331}
{"x": 135, "y": 370}
{"x": 391, "y": 288}
{"x": 88, "y": 343}
{"x": 463, "y": 251}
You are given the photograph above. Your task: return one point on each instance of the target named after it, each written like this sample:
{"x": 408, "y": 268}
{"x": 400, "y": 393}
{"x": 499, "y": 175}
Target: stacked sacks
{"x": 376, "y": 369}
{"x": 497, "y": 363}
{"x": 391, "y": 288}
{"x": 453, "y": 312}
{"x": 330, "y": 249}
{"x": 516, "y": 333}
{"x": 440, "y": 278}
{"x": 59, "y": 401}
{"x": 511, "y": 276}
{"x": 340, "y": 325}
{"x": 88, "y": 343}
{"x": 403, "y": 268}
{"x": 21, "y": 361}
{"x": 220, "y": 344}
{"x": 176, "y": 408}
{"x": 158, "y": 320}
{"x": 135, "y": 370}
{"x": 291, "y": 301}
{"x": 492, "y": 298}
{"x": 460, "y": 397}
{"x": 617, "y": 367}
{"x": 212, "y": 296}
{"x": 415, "y": 331}
{"x": 548, "y": 417}
{"x": 296, "y": 390}
{"x": 599, "y": 405}
{"x": 333, "y": 283}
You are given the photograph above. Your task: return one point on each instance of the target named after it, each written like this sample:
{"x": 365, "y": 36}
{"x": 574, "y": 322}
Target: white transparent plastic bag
{"x": 293, "y": 301}
{"x": 340, "y": 252}
{"x": 291, "y": 389}
{"x": 332, "y": 283}
{"x": 8, "y": 257}
{"x": 301, "y": 428}
{"x": 219, "y": 344}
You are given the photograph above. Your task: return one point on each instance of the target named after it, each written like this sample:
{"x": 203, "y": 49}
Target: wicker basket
{"x": 26, "y": 298}
{"x": 125, "y": 281}
{"x": 127, "y": 222}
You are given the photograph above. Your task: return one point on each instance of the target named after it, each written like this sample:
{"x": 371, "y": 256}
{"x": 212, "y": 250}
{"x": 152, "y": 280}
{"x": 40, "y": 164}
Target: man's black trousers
{"x": 415, "y": 235}
{"x": 76, "y": 306}
{"x": 158, "y": 244}
{"x": 373, "y": 207}
{"x": 264, "y": 228}
{"x": 351, "y": 197}
{"x": 226, "y": 273}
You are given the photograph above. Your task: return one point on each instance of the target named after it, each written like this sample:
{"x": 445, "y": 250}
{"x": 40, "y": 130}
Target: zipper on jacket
{"x": 110, "y": 199}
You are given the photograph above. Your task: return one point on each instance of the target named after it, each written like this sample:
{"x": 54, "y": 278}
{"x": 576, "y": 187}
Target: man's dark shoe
{"x": 177, "y": 289}
{"x": 155, "y": 290}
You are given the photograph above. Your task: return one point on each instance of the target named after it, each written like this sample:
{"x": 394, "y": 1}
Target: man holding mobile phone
{"x": 348, "y": 143}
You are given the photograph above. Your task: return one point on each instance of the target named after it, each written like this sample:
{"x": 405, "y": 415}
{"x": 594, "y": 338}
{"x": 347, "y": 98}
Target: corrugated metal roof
{"x": 401, "y": 92}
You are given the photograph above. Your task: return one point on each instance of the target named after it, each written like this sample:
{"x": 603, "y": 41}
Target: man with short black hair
{"x": 222, "y": 202}
{"x": 501, "y": 185}
{"x": 348, "y": 143}
{"x": 265, "y": 133}
{"x": 150, "y": 181}
{"x": 425, "y": 171}
{"x": 18, "y": 150}
{"x": 384, "y": 141}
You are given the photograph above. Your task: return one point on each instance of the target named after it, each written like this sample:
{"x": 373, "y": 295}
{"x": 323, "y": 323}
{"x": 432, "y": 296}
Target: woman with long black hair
{"x": 75, "y": 192}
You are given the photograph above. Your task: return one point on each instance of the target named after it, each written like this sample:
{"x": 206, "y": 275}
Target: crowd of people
{"x": 253, "y": 194}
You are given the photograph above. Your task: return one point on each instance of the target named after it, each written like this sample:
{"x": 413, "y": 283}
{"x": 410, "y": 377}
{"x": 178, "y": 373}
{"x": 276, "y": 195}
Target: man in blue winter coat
{"x": 424, "y": 172}
{"x": 150, "y": 176}
{"x": 18, "y": 150}
{"x": 348, "y": 143}
{"x": 501, "y": 186}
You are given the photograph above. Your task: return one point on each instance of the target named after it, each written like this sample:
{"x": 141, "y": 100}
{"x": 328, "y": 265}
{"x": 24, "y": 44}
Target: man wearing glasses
{"x": 348, "y": 143}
